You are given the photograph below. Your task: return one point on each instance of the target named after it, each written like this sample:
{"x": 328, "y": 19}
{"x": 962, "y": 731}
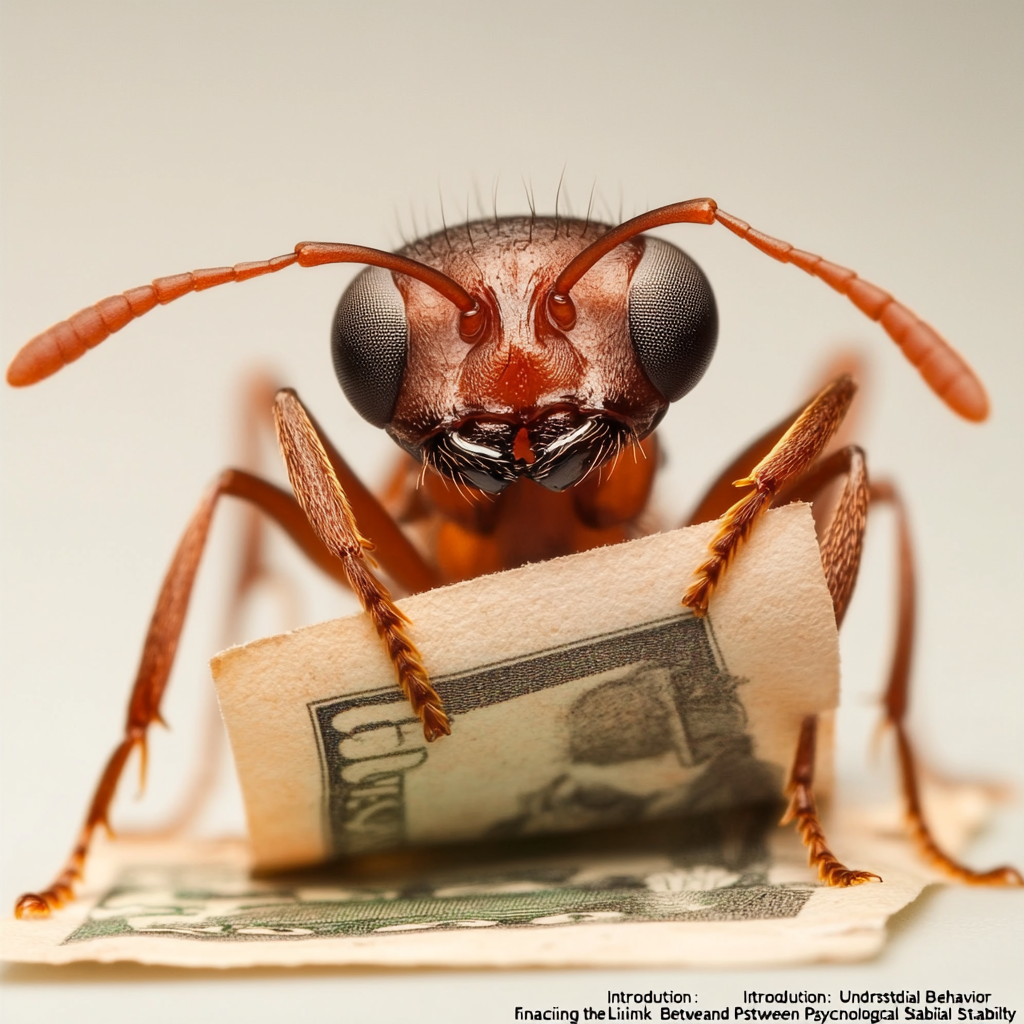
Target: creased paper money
{"x": 729, "y": 889}
{"x": 612, "y": 781}
{"x": 581, "y": 693}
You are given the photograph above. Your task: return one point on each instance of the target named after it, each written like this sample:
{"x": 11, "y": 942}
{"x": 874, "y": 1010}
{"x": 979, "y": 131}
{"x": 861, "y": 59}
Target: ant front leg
{"x": 789, "y": 458}
{"x": 397, "y": 555}
{"x": 323, "y": 499}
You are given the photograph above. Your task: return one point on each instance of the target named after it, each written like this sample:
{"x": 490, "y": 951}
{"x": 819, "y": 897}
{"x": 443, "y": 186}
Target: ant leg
{"x": 395, "y": 553}
{"x": 841, "y": 547}
{"x": 897, "y": 698}
{"x": 804, "y": 811}
{"x": 158, "y": 654}
{"x": 251, "y": 571}
{"x": 842, "y": 538}
{"x": 324, "y": 500}
{"x": 840, "y": 554}
{"x": 792, "y": 454}
{"x": 405, "y": 565}
{"x": 398, "y": 556}
{"x": 720, "y": 496}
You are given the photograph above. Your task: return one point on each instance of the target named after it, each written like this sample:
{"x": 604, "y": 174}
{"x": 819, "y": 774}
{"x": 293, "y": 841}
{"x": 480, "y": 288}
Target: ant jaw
{"x": 557, "y": 450}
{"x": 562, "y": 310}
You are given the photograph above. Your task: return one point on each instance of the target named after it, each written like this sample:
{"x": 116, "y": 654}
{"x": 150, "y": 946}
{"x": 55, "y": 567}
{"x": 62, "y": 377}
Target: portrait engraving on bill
{"x": 648, "y": 723}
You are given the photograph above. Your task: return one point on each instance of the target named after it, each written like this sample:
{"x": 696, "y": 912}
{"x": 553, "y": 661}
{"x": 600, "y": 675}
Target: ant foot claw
{"x": 843, "y": 878}
{"x": 435, "y": 722}
{"x": 32, "y": 905}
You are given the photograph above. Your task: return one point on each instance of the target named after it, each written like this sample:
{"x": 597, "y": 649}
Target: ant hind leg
{"x": 896, "y": 700}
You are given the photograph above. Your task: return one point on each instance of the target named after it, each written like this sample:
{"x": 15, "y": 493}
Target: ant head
{"x": 525, "y": 395}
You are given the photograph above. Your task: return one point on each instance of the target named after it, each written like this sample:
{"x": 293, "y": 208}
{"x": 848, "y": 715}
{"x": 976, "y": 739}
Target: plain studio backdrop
{"x": 146, "y": 139}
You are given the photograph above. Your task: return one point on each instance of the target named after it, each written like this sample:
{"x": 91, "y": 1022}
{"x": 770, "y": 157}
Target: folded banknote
{"x": 608, "y": 795}
{"x": 581, "y": 693}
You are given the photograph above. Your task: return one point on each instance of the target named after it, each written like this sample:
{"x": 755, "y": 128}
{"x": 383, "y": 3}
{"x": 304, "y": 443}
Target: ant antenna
{"x": 70, "y": 339}
{"x": 943, "y": 368}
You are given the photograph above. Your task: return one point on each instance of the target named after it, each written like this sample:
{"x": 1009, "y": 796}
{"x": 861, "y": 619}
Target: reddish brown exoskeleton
{"x": 516, "y": 359}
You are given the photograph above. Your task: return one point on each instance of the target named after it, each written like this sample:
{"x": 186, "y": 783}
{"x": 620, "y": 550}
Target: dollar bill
{"x": 725, "y": 888}
{"x": 609, "y": 793}
{"x": 581, "y": 693}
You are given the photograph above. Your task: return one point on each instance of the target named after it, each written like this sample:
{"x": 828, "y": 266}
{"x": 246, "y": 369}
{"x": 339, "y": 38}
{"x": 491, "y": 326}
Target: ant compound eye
{"x": 369, "y": 341}
{"x": 673, "y": 319}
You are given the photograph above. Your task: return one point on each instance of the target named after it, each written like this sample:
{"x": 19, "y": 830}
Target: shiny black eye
{"x": 673, "y": 320}
{"x": 369, "y": 341}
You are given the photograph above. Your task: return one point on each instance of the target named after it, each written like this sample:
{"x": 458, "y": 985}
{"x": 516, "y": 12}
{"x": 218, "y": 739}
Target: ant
{"x": 516, "y": 359}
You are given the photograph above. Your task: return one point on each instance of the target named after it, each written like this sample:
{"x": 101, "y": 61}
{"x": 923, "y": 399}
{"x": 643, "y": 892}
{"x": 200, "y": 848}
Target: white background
{"x": 147, "y": 139}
